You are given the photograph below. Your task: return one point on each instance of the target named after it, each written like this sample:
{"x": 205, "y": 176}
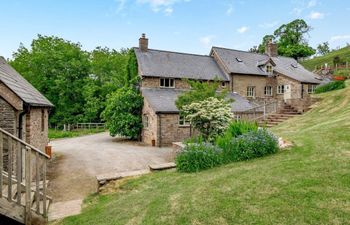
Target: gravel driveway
{"x": 78, "y": 160}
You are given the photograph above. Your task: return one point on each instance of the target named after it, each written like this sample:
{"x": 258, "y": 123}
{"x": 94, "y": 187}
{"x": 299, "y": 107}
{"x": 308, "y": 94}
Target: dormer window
{"x": 167, "y": 83}
{"x": 239, "y": 60}
{"x": 269, "y": 69}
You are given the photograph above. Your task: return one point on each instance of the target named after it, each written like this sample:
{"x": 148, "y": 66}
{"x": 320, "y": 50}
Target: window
{"x": 223, "y": 84}
{"x": 250, "y": 91}
{"x": 167, "y": 83}
{"x": 239, "y": 60}
{"x": 183, "y": 121}
{"x": 145, "y": 121}
{"x": 42, "y": 120}
{"x": 237, "y": 117}
{"x": 268, "y": 91}
{"x": 269, "y": 69}
{"x": 311, "y": 88}
{"x": 280, "y": 89}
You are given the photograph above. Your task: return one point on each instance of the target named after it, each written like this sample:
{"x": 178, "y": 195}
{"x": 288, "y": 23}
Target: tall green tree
{"x": 57, "y": 68}
{"x": 108, "y": 73}
{"x": 323, "y": 48}
{"x": 291, "y": 40}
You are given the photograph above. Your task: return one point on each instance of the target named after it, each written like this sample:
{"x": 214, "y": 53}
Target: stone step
{"x": 103, "y": 178}
{"x": 163, "y": 166}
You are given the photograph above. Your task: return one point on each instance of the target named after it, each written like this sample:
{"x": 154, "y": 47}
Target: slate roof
{"x": 20, "y": 86}
{"x": 242, "y": 62}
{"x": 163, "y": 100}
{"x": 157, "y": 63}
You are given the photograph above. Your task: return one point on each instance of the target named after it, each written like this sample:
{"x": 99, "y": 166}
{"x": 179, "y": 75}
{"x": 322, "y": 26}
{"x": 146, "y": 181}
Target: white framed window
{"x": 183, "y": 122}
{"x": 250, "y": 91}
{"x": 269, "y": 69}
{"x": 268, "y": 91}
{"x": 237, "y": 117}
{"x": 311, "y": 88}
{"x": 167, "y": 83}
{"x": 280, "y": 89}
{"x": 145, "y": 121}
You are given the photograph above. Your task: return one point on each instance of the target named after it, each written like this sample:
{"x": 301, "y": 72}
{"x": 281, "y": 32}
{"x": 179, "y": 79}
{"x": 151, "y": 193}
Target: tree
{"x": 323, "y": 48}
{"x": 291, "y": 40}
{"x": 254, "y": 49}
{"x": 57, "y": 68}
{"x": 210, "y": 117}
{"x": 123, "y": 112}
{"x": 107, "y": 74}
{"x": 124, "y": 106}
{"x": 199, "y": 91}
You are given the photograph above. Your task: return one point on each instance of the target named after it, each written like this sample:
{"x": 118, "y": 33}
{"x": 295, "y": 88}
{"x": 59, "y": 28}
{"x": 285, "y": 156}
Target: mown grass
{"x": 343, "y": 53}
{"x": 56, "y": 134}
{"x": 307, "y": 184}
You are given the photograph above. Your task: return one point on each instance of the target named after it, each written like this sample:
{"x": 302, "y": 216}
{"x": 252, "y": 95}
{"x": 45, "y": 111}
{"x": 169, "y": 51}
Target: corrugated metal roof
{"x": 163, "y": 100}
{"x": 157, "y": 63}
{"x": 20, "y": 86}
{"x": 251, "y": 64}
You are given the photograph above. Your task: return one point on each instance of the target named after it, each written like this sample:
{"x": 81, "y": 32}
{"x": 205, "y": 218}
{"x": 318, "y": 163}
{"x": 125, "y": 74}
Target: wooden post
{"x": 44, "y": 189}
{"x": 19, "y": 172}
{"x": 1, "y": 160}
{"x": 37, "y": 179}
{"x": 9, "y": 170}
{"x": 28, "y": 212}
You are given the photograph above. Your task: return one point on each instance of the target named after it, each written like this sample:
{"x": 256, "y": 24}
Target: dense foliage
{"x": 290, "y": 39}
{"x": 334, "y": 85}
{"x": 75, "y": 81}
{"x": 210, "y": 117}
{"x": 254, "y": 144}
{"x": 198, "y": 156}
{"x": 235, "y": 129}
{"x": 241, "y": 141}
{"x": 199, "y": 91}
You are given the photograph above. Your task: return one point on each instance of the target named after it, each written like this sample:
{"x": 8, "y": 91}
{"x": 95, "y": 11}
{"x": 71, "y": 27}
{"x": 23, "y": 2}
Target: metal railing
{"x": 260, "y": 112}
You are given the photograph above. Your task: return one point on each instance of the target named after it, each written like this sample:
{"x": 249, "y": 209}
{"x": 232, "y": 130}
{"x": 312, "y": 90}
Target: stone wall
{"x": 241, "y": 82}
{"x": 149, "y": 133}
{"x": 37, "y": 128}
{"x": 170, "y": 131}
{"x": 7, "y": 117}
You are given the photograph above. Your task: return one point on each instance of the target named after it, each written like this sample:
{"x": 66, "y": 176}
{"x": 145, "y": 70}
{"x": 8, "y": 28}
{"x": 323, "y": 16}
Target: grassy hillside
{"x": 343, "y": 53}
{"x": 308, "y": 184}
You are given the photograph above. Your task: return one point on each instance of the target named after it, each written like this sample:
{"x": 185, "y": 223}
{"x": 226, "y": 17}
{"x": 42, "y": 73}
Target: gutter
{"x": 20, "y": 120}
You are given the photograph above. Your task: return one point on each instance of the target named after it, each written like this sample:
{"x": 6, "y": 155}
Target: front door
{"x": 287, "y": 92}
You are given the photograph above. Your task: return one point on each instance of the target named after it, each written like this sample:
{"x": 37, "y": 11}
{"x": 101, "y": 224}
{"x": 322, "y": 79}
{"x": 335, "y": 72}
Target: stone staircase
{"x": 276, "y": 118}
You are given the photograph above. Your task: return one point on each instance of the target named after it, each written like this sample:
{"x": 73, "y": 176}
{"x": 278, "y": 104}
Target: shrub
{"x": 256, "y": 143}
{"x": 234, "y": 130}
{"x": 198, "y": 156}
{"x": 334, "y": 85}
{"x": 342, "y": 72}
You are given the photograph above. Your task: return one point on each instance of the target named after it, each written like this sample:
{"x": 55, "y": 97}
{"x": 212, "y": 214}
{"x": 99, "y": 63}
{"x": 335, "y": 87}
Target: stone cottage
{"x": 252, "y": 79}
{"x": 24, "y": 111}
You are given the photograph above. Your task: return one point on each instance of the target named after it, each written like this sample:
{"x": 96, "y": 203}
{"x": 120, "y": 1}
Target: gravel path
{"x": 77, "y": 161}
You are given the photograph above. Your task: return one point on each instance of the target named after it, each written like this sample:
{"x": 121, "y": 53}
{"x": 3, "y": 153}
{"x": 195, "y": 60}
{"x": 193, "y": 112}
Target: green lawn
{"x": 308, "y": 184}
{"x": 55, "y": 134}
{"x": 343, "y": 53}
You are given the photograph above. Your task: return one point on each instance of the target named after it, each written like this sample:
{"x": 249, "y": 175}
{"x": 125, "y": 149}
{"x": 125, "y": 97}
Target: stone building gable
{"x": 7, "y": 116}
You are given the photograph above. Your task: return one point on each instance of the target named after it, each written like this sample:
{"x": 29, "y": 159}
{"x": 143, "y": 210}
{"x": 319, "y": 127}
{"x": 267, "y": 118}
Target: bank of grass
{"x": 56, "y": 134}
{"x": 308, "y": 184}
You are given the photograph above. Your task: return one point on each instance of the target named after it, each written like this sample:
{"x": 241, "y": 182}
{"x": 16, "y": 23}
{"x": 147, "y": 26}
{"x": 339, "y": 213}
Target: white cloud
{"x": 161, "y": 5}
{"x": 229, "y": 10}
{"x": 312, "y": 3}
{"x": 206, "y": 40}
{"x": 268, "y": 25}
{"x": 339, "y": 37}
{"x": 316, "y": 15}
{"x": 121, "y": 5}
{"x": 242, "y": 30}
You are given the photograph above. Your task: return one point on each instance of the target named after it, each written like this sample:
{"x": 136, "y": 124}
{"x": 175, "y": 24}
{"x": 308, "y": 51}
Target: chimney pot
{"x": 143, "y": 43}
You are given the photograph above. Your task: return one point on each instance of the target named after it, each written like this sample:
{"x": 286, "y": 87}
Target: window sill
{"x": 184, "y": 126}
{"x": 168, "y": 87}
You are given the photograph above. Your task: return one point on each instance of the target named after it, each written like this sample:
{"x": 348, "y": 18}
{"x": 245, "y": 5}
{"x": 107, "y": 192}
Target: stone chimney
{"x": 271, "y": 49}
{"x": 143, "y": 43}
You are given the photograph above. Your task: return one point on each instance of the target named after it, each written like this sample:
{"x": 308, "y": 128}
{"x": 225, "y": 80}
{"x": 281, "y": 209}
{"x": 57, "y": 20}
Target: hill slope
{"x": 308, "y": 184}
{"x": 343, "y": 53}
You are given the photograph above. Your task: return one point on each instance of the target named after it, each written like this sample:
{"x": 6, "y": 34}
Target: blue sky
{"x": 178, "y": 25}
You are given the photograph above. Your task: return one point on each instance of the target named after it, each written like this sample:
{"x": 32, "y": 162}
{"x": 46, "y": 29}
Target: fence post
{"x": 264, "y": 110}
